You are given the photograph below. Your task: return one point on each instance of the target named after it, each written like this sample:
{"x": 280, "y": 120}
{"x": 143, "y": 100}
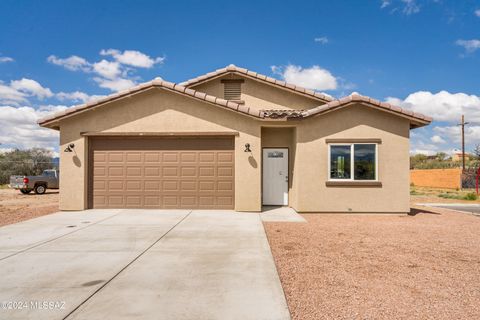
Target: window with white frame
{"x": 354, "y": 161}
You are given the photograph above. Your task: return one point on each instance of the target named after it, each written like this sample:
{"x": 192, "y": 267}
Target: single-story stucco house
{"x": 234, "y": 139}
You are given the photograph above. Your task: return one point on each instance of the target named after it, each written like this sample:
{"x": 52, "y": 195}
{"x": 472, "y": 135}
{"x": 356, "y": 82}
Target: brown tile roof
{"x": 417, "y": 119}
{"x": 257, "y": 76}
{"x": 157, "y": 83}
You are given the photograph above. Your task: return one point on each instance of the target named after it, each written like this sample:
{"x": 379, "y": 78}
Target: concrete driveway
{"x": 148, "y": 264}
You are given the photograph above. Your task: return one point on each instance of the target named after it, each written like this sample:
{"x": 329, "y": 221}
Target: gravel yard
{"x": 365, "y": 266}
{"x": 16, "y": 207}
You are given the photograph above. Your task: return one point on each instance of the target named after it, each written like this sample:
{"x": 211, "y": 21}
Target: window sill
{"x": 375, "y": 184}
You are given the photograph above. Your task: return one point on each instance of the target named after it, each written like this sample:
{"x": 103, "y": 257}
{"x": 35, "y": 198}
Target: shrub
{"x": 470, "y": 196}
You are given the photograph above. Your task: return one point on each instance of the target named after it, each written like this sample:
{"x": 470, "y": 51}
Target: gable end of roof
{"x": 169, "y": 86}
{"x": 256, "y": 76}
{"x": 416, "y": 119}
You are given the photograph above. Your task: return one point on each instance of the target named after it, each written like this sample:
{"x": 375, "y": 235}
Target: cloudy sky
{"x": 423, "y": 55}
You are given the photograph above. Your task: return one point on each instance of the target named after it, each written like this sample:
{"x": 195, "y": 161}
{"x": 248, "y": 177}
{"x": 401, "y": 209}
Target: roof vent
{"x": 232, "y": 89}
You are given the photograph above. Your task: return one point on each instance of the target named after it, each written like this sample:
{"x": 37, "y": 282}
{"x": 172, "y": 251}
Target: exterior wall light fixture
{"x": 247, "y": 147}
{"x": 69, "y": 148}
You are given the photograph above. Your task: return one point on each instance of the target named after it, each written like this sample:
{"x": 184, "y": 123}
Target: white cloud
{"x": 314, "y": 78}
{"x": 31, "y": 87}
{"x": 410, "y": 7}
{"x": 113, "y": 75}
{"x": 77, "y": 96}
{"x": 442, "y": 106}
{"x": 114, "y": 84}
{"x": 8, "y": 95}
{"x": 6, "y": 59}
{"x": 322, "y": 40}
{"x": 419, "y": 146}
{"x": 73, "y": 63}
{"x": 19, "y": 128}
{"x": 18, "y": 92}
{"x": 469, "y": 45}
{"x": 107, "y": 69}
{"x": 477, "y": 12}
{"x": 132, "y": 58}
{"x": 472, "y": 133}
{"x": 406, "y": 7}
{"x": 437, "y": 139}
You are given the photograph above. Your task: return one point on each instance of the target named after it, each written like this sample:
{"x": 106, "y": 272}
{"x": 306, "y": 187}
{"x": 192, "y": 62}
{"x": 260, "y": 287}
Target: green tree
{"x": 24, "y": 162}
{"x": 441, "y": 156}
{"x": 476, "y": 151}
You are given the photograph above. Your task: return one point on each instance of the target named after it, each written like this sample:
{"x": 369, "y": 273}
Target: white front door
{"x": 275, "y": 176}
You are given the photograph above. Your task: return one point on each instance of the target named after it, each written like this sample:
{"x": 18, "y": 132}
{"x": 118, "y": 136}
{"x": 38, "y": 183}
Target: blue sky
{"x": 420, "y": 54}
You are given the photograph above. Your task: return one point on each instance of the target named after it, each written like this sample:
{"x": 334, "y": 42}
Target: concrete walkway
{"x": 280, "y": 214}
{"x": 146, "y": 264}
{"x": 463, "y": 207}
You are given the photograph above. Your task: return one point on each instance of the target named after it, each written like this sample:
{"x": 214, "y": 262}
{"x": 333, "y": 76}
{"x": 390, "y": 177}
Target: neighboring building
{"x": 458, "y": 156}
{"x": 234, "y": 139}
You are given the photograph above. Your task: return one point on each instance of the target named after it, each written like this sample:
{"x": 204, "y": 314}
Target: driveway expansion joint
{"x": 126, "y": 266}
{"x": 41, "y": 243}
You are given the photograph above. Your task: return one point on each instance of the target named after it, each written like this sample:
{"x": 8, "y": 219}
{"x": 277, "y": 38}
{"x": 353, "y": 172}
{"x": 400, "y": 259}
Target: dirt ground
{"x": 425, "y": 265}
{"x": 16, "y": 207}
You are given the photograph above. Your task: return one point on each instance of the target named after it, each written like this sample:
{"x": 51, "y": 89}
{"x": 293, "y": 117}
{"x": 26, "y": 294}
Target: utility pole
{"x": 463, "y": 124}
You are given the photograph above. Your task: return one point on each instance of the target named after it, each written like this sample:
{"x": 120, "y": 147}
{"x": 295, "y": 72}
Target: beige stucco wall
{"x": 158, "y": 110}
{"x": 153, "y": 111}
{"x": 311, "y": 162}
{"x": 258, "y": 95}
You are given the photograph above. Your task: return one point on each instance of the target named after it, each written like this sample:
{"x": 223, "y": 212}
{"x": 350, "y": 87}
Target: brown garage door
{"x": 153, "y": 172}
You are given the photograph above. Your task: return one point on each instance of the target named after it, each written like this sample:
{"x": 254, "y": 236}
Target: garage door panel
{"x": 152, "y": 157}
{"x": 225, "y": 171}
{"x": 133, "y": 171}
{"x": 100, "y": 157}
{"x": 153, "y": 185}
{"x": 225, "y": 201}
{"x": 169, "y": 157}
{"x": 224, "y": 185}
{"x": 115, "y": 157}
{"x": 134, "y": 157}
{"x": 206, "y": 157}
{"x": 115, "y": 185}
{"x": 152, "y": 172}
{"x": 115, "y": 171}
{"x": 152, "y": 201}
{"x": 188, "y": 186}
{"x": 137, "y": 173}
{"x": 170, "y": 201}
{"x": 225, "y": 157}
{"x": 206, "y": 172}
{"x": 135, "y": 185}
{"x": 100, "y": 185}
{"x": 206, "y": 186}
{"x": 115, "y": 200}
{"x": 100, "y": 171}
{"x": 188, "y": 172}
{"x": 170, "y": 171}
{"x": 188, "y": 201}
{"x": 170, "y": 186}
{"x": 188, "y": 157}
